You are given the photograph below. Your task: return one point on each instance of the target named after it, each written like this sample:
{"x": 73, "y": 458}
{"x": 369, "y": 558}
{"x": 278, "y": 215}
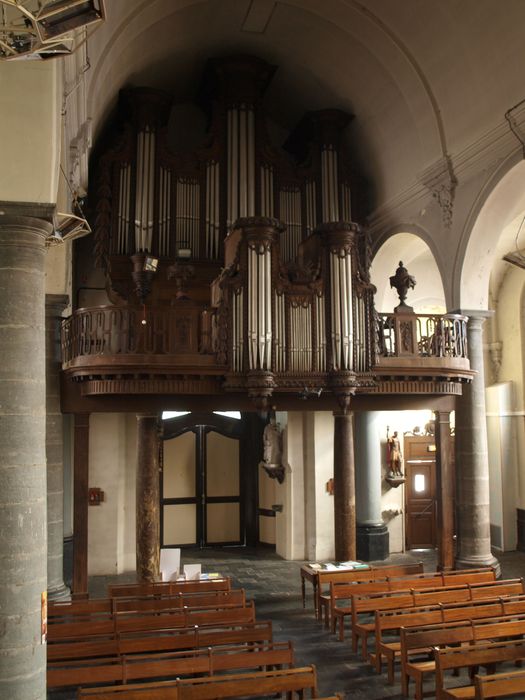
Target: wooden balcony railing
{"x": 125, "y": 339}
{"x": 422, "y": 342}
{"x": 114, "y": 341}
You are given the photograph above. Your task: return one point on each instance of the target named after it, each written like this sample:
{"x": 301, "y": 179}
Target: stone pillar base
{"x": 59, "y": 592}
{"x": 373, "y": 542}
{"x": 477, "y": 562}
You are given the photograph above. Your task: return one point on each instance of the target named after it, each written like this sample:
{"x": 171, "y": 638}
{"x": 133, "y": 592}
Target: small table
{"x": 318, "y": 574}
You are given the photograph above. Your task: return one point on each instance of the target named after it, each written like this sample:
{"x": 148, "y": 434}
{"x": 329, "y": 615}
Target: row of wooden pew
{"x": 434, "y": 623}
{"x": 198, "y": 640}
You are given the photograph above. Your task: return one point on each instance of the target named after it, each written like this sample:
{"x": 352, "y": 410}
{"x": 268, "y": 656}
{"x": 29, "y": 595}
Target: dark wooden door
{"x": 200, "y": 482}
{"x": 420, "y": 492}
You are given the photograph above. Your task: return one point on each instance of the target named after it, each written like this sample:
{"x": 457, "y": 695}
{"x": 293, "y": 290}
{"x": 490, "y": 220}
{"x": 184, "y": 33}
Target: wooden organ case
{"x": 262, "y": 281}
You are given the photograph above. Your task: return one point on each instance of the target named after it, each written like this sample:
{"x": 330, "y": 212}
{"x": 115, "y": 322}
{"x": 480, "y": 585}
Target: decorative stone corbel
{"x": 441, "y": 181}
{"x": 495, "y": 351}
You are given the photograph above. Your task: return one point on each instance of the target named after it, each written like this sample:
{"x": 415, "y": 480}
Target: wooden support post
{"x": 80, "y": 505}
{"x": 445, "y": 482}
{"x": 344, "y": 487}
{"x": 148, "y": 506}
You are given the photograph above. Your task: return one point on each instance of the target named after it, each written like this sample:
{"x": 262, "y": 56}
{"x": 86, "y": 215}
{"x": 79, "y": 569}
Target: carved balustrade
{"x": 422, "y": 341}
{"x": 113, "y": 340}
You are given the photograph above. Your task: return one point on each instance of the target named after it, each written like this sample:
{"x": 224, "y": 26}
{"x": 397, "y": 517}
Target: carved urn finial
{"x": 402, "y": 282}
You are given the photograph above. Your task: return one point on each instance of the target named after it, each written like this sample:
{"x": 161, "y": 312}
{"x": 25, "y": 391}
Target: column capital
{"x": 480, "y": 315}
{"x": 55, "y": 304}
{"x": 23, "y": 224}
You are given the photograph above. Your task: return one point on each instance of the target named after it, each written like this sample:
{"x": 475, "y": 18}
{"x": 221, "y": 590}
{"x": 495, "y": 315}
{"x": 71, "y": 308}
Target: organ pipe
{"x": 123, "y": 208}
{"x": 241, "y": 163}
{"x": 259, "y": 308}
{"x": 341, "y": 310}
{"x": 329, "y": 183}
{"x": 145, "y": 179}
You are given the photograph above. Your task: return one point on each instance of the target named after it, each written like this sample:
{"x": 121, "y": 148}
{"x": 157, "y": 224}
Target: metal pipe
{"x": 234, "y": 174}
{"x": 251, "y": 163}
{"x": 243, "y": 160}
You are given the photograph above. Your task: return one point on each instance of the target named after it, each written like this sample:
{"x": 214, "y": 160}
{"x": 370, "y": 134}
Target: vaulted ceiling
{"x": 424, "y": 78}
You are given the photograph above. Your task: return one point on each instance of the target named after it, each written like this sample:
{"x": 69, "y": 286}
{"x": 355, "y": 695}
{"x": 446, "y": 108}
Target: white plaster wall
{"x": 324, "y": 470}
{"x": 30, "y": 98}
{"x": 305, "y": 528}
{"x": 393, "y": 499}
{"x": 290, "y": 524}
{"x": 503, "y": 465}
{"x": 508, "y": 329}
{"x": 112, "y": 467}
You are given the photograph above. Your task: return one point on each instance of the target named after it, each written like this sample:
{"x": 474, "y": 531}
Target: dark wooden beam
{"x": 148, "y": 499}
{"x": 80, "y": 504}
{"x": 344, "y": 487}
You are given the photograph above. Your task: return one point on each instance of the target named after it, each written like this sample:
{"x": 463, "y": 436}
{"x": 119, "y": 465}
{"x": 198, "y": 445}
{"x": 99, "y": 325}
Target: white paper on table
{"x": 192, "y": 571}
{"x": 169, "y": 564}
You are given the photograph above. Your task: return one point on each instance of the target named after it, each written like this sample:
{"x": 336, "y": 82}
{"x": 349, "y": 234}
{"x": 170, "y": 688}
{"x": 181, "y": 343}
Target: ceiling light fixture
{"x": 38, "y": 29}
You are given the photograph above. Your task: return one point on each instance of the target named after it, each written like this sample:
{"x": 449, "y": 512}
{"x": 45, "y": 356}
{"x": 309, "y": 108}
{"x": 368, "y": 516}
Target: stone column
{"x": 23, "y": 529}
{"x": 372, "y": 533}
{"x": 472, "y": 468}
{"x": 80, "y": 505}
{"x": 344, "y": 487}
{"x": 148, "y": 506}
{"x": 56, "y": 590}
{"x": 445, "y": 491}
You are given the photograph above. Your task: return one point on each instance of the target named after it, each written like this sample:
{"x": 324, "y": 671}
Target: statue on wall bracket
{"x": 273, "y": 450}
{"x": 395, "y": 476}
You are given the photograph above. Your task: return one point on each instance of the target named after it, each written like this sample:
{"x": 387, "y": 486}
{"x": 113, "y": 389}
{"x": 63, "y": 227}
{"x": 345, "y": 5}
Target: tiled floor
{"x": 274, "y": 584}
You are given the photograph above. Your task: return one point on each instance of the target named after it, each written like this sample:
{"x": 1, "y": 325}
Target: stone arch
{"x": 414, "y": 249}
{"x": 489, "y": 234}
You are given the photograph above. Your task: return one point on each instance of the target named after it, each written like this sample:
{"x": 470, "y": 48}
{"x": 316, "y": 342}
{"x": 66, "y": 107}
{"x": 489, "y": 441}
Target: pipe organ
{"x": 150, "y": 199}
{"x": 293, "y": 302}
{"x": 305, "y": 323}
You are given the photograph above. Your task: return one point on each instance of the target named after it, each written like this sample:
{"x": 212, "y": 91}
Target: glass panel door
{"x": 221, "y": 495}
{"x": 179, "y": 504}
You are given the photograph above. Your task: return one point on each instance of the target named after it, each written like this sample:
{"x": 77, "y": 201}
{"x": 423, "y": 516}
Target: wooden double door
{"x": 200, "y": 482}
{"x": 420, "y": 492}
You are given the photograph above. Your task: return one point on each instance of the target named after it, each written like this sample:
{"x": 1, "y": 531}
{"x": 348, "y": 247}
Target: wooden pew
{"x": 499, "y": 685}
{"x": 339, "y": 592}
{"x": 295, "y": 681}
{"x": 416, "y": 640}
{"x": 143, "y": 667}
{"x": 162, "y": 640}
{"x": 434, "y": 596}
{"x": 479, "y": 654}
{"x": 391, "y": 620}
{"x": 321, "y": 578}
{"x": 160, "y": 588}
{"x": 60, "y": 610}
{"x": 162, "y": 620}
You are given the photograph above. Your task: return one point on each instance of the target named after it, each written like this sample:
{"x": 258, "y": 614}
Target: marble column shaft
{"x": 23, "y": 529}
{"x": 148, "y": 505}
{"x": 368, "y": 472}
{"x": 55, "y": 304}
{"x": 344, "y": 487}
{"x": 371, "y": 532}
{"x": 472, "y": 468}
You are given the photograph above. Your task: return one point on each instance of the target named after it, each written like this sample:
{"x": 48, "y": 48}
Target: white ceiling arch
{"x": 491, "y": 235}
{"x": 330, "y": 54}
{"x": 412, "y": 249}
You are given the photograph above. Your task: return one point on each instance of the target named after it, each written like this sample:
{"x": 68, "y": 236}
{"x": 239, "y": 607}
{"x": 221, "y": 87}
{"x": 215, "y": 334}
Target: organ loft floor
{"x": 275, "y": 586}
